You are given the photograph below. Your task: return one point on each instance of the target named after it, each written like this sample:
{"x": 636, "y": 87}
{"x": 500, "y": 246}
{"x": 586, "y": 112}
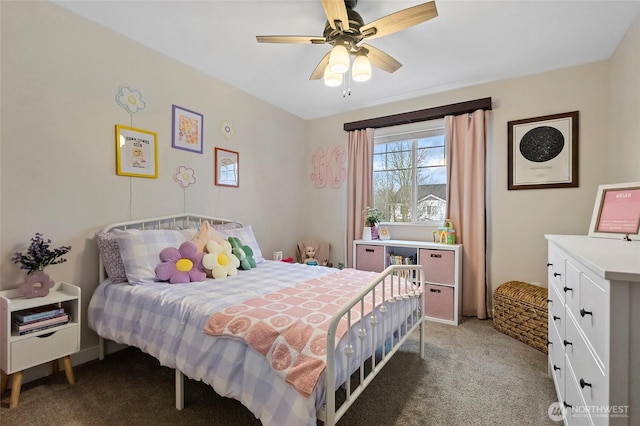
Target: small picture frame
{"x": 543, "y": 152}
{"x": 187, "y": 129}
{"x": 384, "y": 233}
{"x": 227, "y": 167}
{"x": 136, "y": 152}
{"x": 616, "y": 213}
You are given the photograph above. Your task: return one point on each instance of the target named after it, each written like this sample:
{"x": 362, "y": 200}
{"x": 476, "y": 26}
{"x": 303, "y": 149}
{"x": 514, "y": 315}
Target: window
{"x": 410, "y": 172}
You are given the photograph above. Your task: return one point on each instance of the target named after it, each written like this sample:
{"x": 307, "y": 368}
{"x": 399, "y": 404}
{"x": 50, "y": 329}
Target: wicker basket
{"x": 520, "y": 311}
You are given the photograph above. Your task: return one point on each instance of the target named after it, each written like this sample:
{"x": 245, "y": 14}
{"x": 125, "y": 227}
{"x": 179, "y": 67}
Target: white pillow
{"x": 247, "y": 238}
{"x": 140, "y": 251}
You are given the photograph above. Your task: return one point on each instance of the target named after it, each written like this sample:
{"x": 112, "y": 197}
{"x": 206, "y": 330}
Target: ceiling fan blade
{"x": 381, "y": 60}
{"x": 318, "y": 73}
{"x": 336, "y": 11}
{"x": 291, "y": 39}
{"x": 399, "y": 20}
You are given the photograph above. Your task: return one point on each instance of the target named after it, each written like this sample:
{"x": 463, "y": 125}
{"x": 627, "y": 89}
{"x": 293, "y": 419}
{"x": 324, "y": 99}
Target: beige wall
{"x": 607, "y": 95}
{"x": 623, "y": 139}
{"x": 60, "y": 75}
{"x": 60, "y": 78}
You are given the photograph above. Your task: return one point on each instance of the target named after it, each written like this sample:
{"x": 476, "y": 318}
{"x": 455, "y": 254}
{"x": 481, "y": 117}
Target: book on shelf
{"x": 41, "y": 312}
{"x": 44, "y": 327}
{"x": 57, "y": 320}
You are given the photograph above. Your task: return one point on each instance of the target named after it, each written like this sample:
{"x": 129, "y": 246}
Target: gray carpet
{"x": 472, "y": 375}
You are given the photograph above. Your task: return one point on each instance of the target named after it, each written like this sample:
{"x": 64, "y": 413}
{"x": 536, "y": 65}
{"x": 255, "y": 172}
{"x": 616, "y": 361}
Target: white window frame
{"x": 407, "y": 132}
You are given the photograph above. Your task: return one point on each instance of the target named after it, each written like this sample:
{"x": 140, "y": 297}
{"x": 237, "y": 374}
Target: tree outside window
{"x": 410, "y": 176}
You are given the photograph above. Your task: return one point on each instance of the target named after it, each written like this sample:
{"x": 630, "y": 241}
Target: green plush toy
{"x": 243, "y": 253}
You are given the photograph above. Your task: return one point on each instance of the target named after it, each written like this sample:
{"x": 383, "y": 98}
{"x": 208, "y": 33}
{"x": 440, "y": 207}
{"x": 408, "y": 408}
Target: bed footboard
{"x": 406, "y": 283}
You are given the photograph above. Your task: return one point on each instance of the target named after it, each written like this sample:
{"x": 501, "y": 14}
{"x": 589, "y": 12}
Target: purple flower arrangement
{"x": 40, "y": 255}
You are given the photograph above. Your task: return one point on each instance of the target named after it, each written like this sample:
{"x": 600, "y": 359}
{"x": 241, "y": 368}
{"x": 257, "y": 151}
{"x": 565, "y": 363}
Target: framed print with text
{"x": 187, "y": 129}
{"x": 616, "y": 213}
{"x": 136, "y": 152}
{"x": 227, "y": 167}
{"x": 543, "y": 152}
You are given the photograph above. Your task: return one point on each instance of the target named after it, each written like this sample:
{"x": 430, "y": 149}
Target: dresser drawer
{"x": 370, "y": 258}
{"x": 578, "y": 413}
{"x": 592, "y": 315}
{"x": 438, "y": 302}
{"x": 591, "y": 380}
{"x": 556, "y": 360}
{"x": 571, "y": 287}
{"x": 438, "y": 265}
{"x": 31, "y": 351}
{"x": 556, "y": 269}
{"x": 556, "y": 312}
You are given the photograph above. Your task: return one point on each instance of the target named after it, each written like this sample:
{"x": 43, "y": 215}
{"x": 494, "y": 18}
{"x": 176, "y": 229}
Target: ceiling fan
{"x": 345, "y": 30}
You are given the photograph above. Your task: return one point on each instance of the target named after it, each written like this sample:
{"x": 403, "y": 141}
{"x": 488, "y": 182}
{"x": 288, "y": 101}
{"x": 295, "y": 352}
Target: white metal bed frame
{"x": 403, "y": 279}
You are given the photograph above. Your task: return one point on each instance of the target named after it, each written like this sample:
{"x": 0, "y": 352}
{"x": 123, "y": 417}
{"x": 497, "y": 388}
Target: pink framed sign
{"x": 616, "y": 213}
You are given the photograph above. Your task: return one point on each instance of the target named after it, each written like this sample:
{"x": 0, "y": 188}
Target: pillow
{"x": 220, "y": 261}
{"x": 181, "y": 265}
{"x": 243, "y": 253}
{"x": 206, "y": 234}
{"x": 140, "y": 250}
{"x": 110, "y": 254}
{"x": 224, "y": 226}
{"x": 246, "y": 236}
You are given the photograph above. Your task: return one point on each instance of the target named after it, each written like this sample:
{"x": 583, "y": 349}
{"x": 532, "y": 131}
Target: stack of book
{"x": 40, "y": 318}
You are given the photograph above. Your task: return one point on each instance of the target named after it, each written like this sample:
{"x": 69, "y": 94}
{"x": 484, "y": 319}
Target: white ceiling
{"x": 470, "y": 42}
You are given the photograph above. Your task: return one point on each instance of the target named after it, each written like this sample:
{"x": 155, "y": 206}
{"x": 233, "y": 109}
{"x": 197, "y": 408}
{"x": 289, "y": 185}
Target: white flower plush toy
{"x": 220, "y": 260}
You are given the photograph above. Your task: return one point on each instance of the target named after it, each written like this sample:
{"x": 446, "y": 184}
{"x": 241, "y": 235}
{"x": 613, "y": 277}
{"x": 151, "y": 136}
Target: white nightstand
{"x": 20, "y": 352}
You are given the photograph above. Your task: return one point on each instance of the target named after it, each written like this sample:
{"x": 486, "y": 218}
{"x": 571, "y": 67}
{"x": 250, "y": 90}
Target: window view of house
{"x": 410, "y": 172}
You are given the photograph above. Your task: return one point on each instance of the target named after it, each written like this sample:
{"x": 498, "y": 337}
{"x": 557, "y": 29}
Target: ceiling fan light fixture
{"x": 339, "y": 59}
{"x": 361, "y": 70}
{"x": 332, "y": 79}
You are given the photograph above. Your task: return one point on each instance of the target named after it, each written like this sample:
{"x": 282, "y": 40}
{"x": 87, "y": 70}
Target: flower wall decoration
{"x": 131, "y": 100}
{"x": 185, "y": 177}
{"x": 226, "y": 129}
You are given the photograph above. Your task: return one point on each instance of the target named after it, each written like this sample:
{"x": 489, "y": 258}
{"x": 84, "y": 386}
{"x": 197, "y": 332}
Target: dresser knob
{"x": 566, "y": 342}
{"x": 567, "y": 405}
{"x": 549, "y": 264}
{"x": 583, "y": 312}
{"x": 555, "y": 368}
{"x": 549, "y": 342}
{"x": 566, "y": 289}
{"x": 583, "y": 383}
{"x": 549, "y": 301}
{"x": 555, "y": 318}
{"x": 557, "y": 274}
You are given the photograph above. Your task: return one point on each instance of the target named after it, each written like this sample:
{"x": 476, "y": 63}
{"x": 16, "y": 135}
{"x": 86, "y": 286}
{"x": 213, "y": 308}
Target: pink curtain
{"x": 466, "y": 204}
{"x": 359, "y": 184}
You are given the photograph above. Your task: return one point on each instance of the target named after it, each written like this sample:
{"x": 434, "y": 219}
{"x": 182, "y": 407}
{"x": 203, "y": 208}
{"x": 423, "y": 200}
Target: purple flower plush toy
{"x": 181, "y": 265}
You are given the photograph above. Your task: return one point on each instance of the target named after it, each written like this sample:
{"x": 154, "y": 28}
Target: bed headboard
{"x": 177, "y": 221}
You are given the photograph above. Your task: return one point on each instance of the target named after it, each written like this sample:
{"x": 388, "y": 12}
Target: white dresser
{"x": 594, "y": 328}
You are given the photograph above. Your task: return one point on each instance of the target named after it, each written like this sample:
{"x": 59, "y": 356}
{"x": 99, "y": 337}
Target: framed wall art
{"x": 383, "y": 232}
{"x": 187, "y": 129}
{"x": 616, "y": 213}
{"x": 136, "y": 152}
{"x": 543, "y": 152}
{"x": 227, "y": 167}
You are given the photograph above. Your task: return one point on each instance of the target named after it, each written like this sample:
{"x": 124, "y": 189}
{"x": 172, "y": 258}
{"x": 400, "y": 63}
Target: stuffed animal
{"x": 220, "y": 262}
{"x": 181, "y": 265}
{"x": 243, "y": 253}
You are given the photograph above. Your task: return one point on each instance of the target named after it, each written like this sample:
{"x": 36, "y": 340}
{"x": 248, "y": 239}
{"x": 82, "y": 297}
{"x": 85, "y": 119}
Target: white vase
{"x": 366, "y": 233}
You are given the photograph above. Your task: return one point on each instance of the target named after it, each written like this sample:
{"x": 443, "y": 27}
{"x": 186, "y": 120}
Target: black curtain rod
{"x": 420, "y": 115}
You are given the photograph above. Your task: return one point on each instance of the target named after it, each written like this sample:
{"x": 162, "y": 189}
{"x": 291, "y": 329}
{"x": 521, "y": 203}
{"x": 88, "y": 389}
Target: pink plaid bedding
{"x": 289, "y": 327}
